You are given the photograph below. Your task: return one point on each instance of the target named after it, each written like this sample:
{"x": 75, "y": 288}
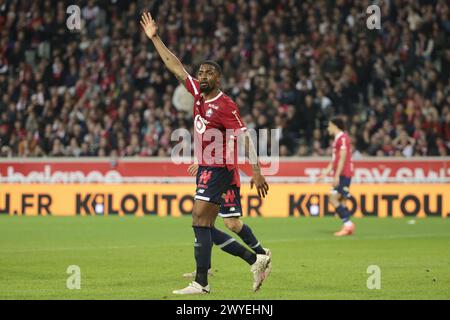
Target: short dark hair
{"x": 214, "y": 64}
{"x": 338, "y": 122}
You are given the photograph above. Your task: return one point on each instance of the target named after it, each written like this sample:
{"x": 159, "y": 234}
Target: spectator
{"x": 103, "y": 90}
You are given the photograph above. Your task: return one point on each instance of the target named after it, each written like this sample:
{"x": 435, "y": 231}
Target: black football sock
{"x": 231, "y": 246}
{"x": 249, "y": 238}
{"x": 202, "y": 250}
{"x": 343, "y": 213}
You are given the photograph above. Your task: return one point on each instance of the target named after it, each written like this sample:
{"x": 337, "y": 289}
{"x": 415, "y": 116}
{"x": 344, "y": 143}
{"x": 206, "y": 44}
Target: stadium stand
{"x": 103, "y": 91}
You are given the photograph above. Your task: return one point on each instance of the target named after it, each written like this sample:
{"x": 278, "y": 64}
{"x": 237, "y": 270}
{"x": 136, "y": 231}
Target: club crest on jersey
{"x": 209, "y": 113}
{"x": 200, "y": 124}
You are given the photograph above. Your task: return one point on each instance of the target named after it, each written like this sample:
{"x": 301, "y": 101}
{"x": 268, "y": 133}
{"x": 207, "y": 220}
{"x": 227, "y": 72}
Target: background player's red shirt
{"x": 219, "y": 113}
{"x": 342, "y": 142}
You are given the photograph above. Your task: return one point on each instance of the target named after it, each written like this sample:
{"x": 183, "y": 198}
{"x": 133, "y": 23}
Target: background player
{"x": 342, "y": 167}
{"x": 215, "y": 175}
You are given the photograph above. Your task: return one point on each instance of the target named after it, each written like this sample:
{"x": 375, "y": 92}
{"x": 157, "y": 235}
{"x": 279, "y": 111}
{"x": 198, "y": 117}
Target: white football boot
{"x": 269, "y": 267}
{"x": 193, "y": 288}
{"x": 260, "y": 270}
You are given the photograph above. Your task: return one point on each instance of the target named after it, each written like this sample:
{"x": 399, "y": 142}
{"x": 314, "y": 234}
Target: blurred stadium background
{"x": 103, "y": 91}
{"x": 86, "y": 115}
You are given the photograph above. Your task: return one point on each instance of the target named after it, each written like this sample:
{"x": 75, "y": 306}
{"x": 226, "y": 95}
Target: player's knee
{"x": 203, "y": 215}
{"x": 335, "y": 203}
{"x": 201, "y": 222}
{"x": 334, "y": 199}
{"x": 233, "y": 224}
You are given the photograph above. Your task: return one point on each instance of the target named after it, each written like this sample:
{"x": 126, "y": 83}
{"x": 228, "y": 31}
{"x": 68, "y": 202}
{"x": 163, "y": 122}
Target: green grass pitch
{"x": 144, "y": 258}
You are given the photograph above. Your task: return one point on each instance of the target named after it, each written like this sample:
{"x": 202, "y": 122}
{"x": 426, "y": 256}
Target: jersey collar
{"x": 338, "y": 135}
{"x": 215, "y": 98}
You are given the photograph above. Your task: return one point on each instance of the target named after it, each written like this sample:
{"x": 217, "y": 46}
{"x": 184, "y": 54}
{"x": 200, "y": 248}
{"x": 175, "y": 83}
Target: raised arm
{"x": 170, "y": 60}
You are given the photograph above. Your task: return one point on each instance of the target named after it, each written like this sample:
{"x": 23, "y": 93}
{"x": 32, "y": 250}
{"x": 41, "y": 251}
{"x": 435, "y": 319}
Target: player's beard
{"x": 205, "y": 87}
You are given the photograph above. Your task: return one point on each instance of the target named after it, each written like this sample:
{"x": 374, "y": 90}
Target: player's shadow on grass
{"x": 331, "y": 232}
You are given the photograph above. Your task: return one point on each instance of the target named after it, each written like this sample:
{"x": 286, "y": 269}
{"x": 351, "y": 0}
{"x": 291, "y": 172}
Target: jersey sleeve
{"x": 192, "y": 85}
{"x": 231, "y": 119}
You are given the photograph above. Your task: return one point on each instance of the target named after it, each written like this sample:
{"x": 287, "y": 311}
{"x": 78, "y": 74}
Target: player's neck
{"x": 211, "y": 95}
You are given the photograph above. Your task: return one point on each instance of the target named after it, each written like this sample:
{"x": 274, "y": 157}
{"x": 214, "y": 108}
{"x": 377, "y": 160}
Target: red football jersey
{"x": 218, "y": 115}
{"x": 342, "y": 142}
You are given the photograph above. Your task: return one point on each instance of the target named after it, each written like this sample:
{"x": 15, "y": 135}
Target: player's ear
{"x": 219, "y": 77}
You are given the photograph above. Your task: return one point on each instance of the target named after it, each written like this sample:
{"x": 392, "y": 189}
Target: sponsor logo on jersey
{"x": 200, "y": 124}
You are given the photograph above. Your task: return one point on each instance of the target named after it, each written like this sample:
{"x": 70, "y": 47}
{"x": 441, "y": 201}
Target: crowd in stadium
{"x": 103, "y": 90}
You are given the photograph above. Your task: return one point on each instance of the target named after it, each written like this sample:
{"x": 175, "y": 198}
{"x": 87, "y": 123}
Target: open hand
{"x": 261, "y": 185}
{"x": 322, "y": 176}
{"x": 149, "y": 25}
